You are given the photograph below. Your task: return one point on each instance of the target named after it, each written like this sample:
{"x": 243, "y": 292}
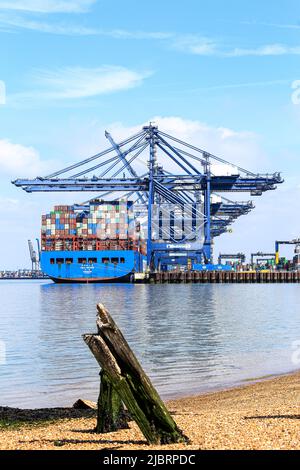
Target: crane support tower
{"x": 34, "y": 256}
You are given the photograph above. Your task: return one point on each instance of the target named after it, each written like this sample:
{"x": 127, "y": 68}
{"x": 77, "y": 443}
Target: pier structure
{"x": 217, "y": 277}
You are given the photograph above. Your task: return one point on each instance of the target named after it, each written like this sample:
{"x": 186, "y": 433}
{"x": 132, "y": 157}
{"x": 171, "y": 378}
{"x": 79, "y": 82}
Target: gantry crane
{"x": 296, "y": 241}
{"x": 177, "y": 173}
{"x": 239, "y": 257}
{"x": 34, "y": 256}
{"x": 261, "y": 255}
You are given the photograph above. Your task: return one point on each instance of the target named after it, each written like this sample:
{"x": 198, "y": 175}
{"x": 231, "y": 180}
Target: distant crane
{"x": 296, "y": 241}
{"x": 261, "y": 255}
{"x": 264, "y": 261}
{"x": 34, "y": 256}
{"x": 239, "y": 256}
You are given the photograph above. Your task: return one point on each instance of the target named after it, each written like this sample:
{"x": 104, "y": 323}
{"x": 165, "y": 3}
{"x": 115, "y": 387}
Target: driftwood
{"x": 124, "y": 381}
{"x": 85, "y": 405}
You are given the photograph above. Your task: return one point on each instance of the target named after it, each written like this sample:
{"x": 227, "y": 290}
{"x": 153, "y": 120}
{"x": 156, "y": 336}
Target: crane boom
{"x": 127, "y": 165}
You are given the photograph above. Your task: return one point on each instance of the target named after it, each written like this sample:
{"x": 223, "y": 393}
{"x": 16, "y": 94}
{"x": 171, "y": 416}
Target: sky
{"x": 222, "y": 75}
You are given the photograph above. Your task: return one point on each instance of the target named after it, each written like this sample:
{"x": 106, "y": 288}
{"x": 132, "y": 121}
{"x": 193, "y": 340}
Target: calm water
{"x": 189, "y": 338}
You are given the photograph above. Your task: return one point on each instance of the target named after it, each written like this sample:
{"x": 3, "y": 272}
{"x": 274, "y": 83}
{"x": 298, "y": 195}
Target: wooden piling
{"x": 219, "y": 277}
{"x": 111, "y": 414}
{"x": 127, "y": 378}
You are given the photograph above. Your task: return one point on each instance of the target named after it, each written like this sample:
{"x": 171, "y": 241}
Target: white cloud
{"x": 48, "y": 6}
{"x": 23, "y": 22}
{"x": 272, "y": 25}
{"x": 194, "y": 44}
{"x": 197, "y": 45}
{"x": 77, "y": 82}
{"x": 123, "y": 34}
{"x": 239, "y": 148}
{"x": 19, "y": 22}
{"x": 8, "y": 203}
{"x": 2, "y": 92}
{"x": 21, "y": 221}
{"x": 225, "y": 86}
{"x": 19, "y": 160}
{"x": 203, "y": 46}
{"x": 268, "y": 50}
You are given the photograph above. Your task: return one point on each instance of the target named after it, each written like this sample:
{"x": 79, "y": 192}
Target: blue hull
{"x": 91, "y": 266}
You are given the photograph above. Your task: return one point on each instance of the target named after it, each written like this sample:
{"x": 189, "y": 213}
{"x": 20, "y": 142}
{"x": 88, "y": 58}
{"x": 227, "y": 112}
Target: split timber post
{"x": 111, "y": 414}
{"x": 126, "y": 382}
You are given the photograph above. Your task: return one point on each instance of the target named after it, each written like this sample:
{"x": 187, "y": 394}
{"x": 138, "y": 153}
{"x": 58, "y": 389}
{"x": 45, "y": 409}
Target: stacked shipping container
{"x": 61, "y": 221}
{"x": 103, "y": 225}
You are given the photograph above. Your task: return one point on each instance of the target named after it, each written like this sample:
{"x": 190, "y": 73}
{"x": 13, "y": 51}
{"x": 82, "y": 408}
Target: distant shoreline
{"x": 24, "y": 278}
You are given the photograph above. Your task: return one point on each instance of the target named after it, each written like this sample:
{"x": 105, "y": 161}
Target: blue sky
{"x": 217, "y": 73}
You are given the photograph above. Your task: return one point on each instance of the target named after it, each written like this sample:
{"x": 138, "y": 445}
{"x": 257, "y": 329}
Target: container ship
{"x": 98, "y": 243}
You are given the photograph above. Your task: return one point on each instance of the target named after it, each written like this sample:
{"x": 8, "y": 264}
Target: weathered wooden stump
{"x": 124, "y": 381}
{"x": 111, "y": 413}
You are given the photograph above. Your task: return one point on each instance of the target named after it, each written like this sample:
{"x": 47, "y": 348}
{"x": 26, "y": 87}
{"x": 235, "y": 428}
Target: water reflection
{"x": 189, "y": 338}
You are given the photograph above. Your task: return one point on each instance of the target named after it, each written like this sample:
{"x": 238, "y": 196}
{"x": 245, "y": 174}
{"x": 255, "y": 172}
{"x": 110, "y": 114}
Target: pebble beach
{"x": 262, "y": 415}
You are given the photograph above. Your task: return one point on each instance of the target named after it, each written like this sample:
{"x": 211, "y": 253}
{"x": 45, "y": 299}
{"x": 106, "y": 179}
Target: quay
{"x": 217, "y": 277}
{"x": 22, "y": 274}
